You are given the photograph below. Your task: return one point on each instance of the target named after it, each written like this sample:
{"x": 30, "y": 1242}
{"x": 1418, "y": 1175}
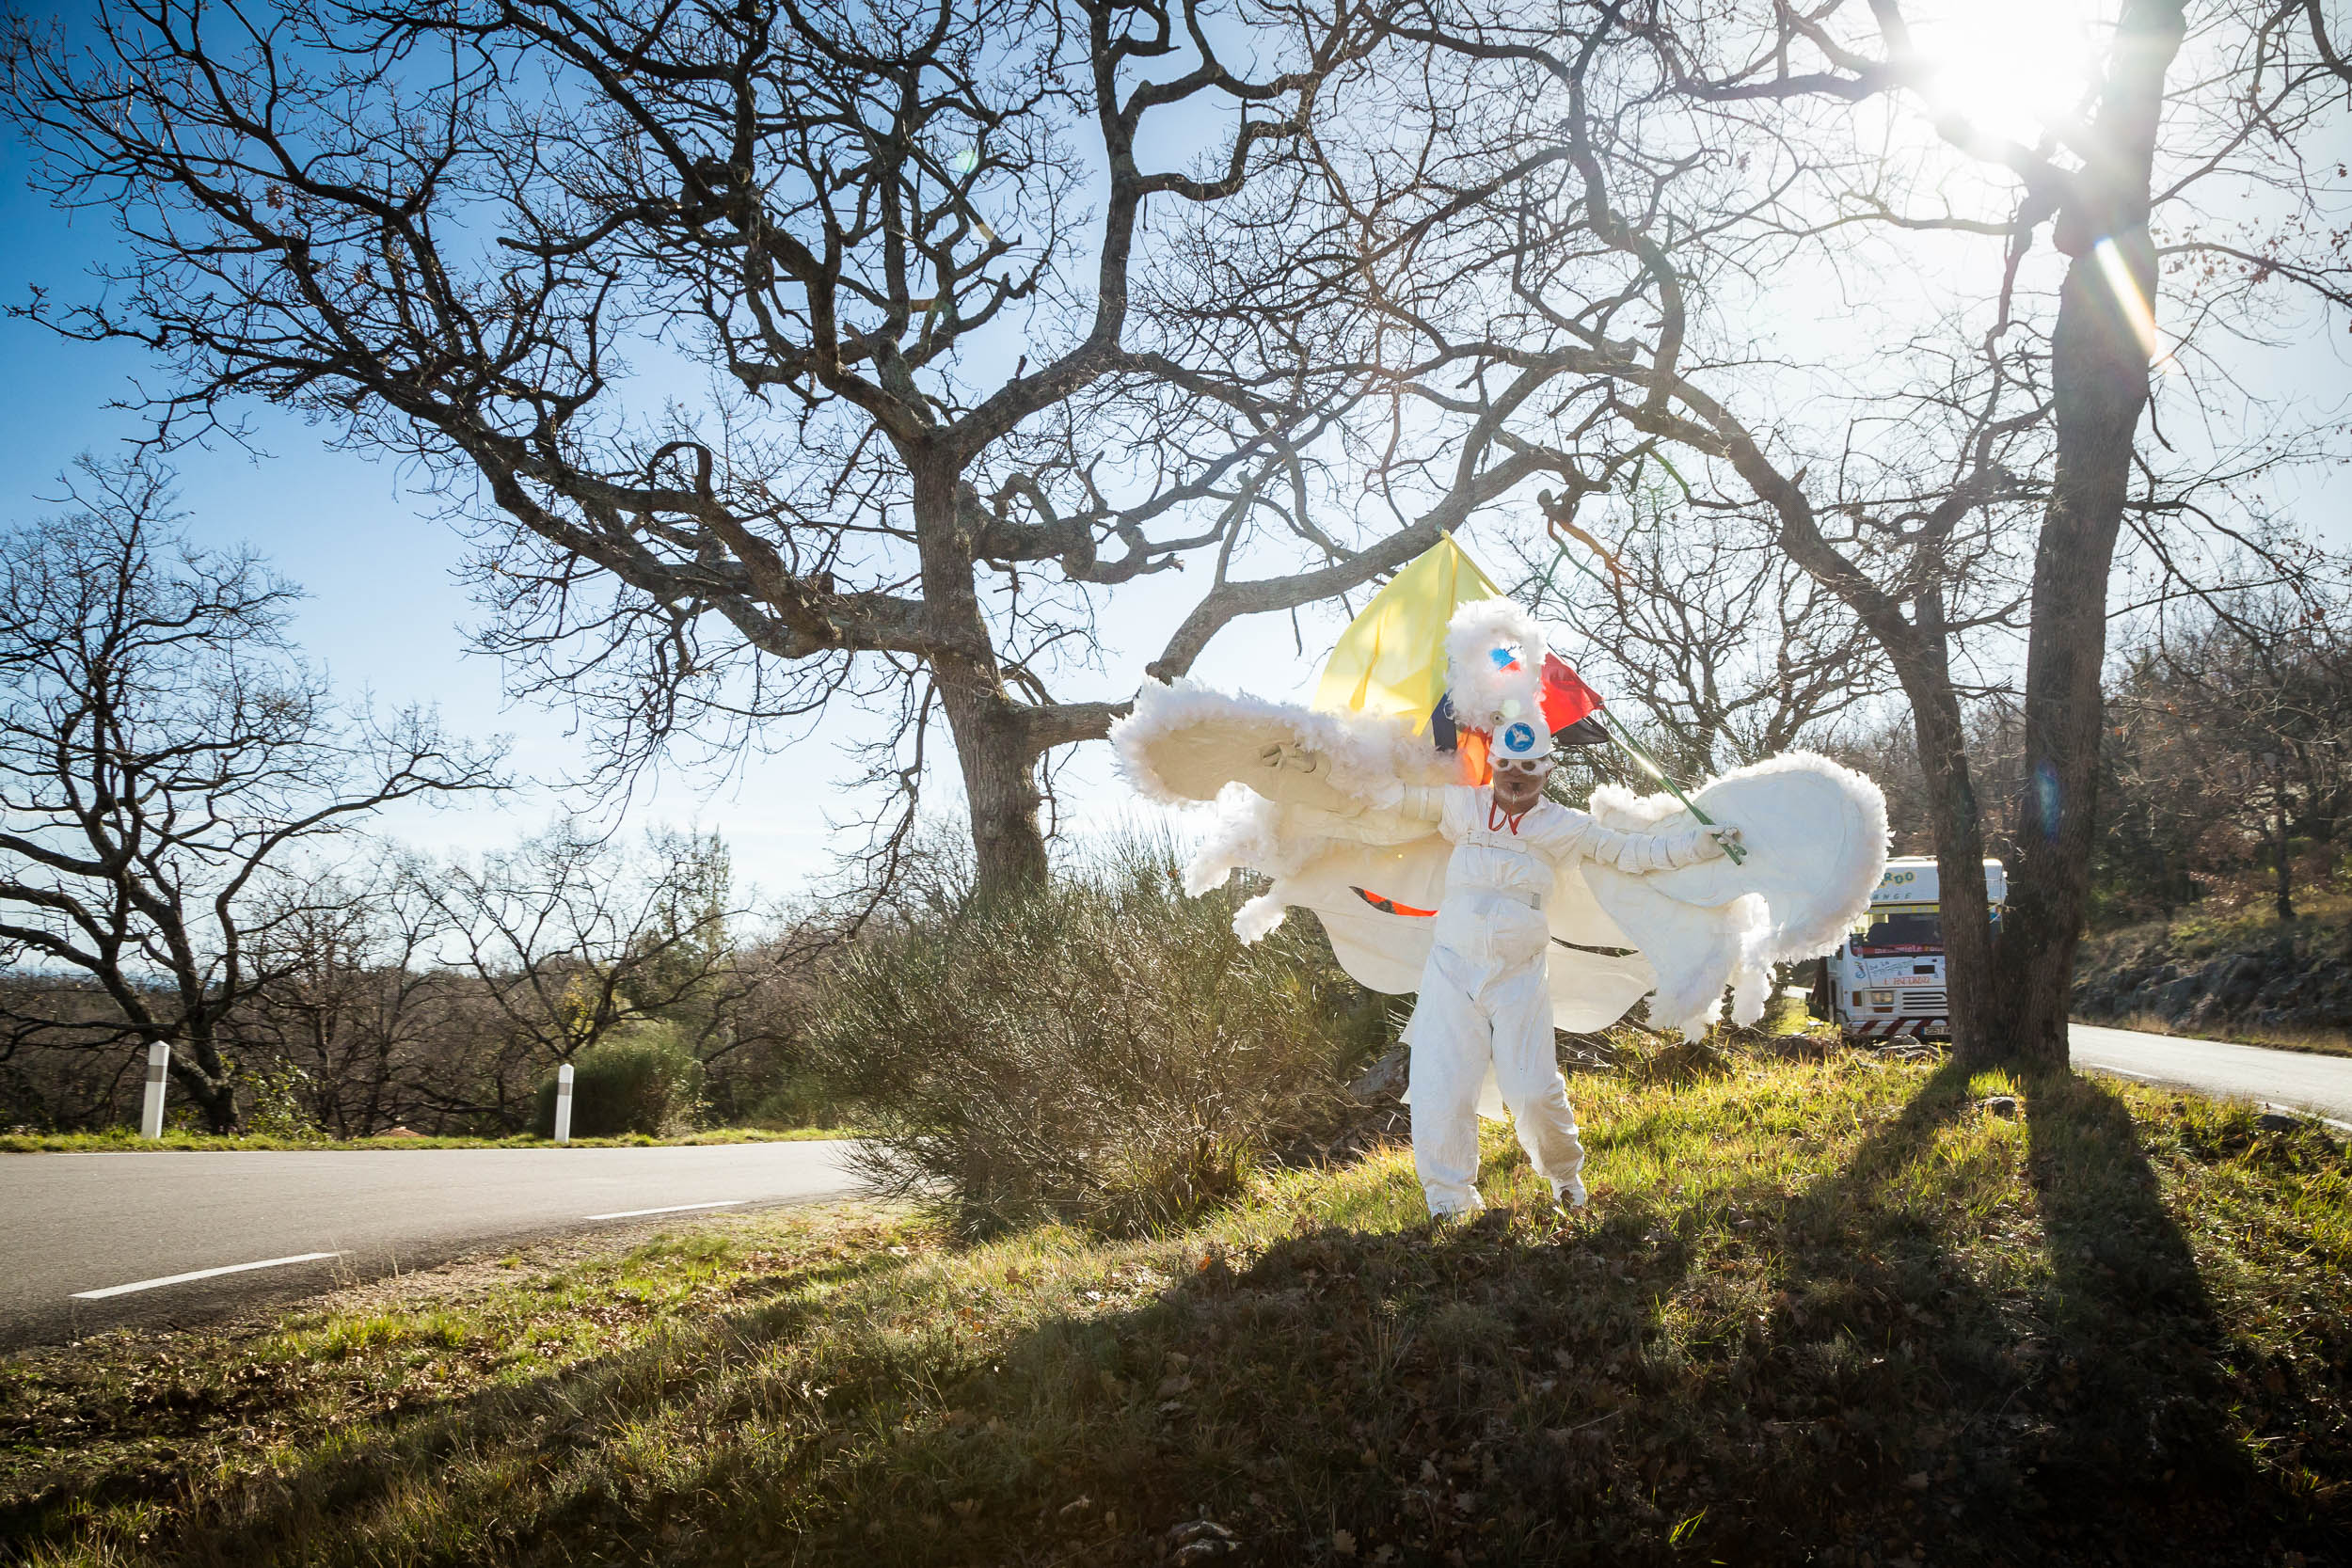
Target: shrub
{"x": 800, "y": 1098}
{"x": 639, "y": 1079}
{"x": 276, "y": 1110}
{"x": 1106, "y": 1052}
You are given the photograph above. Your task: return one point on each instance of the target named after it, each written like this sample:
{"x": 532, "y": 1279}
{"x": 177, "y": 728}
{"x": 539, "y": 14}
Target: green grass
{"x": 1827, "y": 1309}
{"x": 2203, "y": 929}
{"x": 2312, "y": 1042}
{"x": 123, "y": 1140}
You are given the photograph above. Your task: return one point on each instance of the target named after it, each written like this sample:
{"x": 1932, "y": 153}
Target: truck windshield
{"x": 1907, "y": 932}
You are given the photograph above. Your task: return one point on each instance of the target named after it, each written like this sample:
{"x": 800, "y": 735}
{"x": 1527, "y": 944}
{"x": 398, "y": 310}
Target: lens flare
{"x": 2137, "y": 313}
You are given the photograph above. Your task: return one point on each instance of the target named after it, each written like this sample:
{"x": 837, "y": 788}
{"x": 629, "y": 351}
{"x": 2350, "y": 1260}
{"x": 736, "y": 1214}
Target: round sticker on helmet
{"x": 1520, "y": 739}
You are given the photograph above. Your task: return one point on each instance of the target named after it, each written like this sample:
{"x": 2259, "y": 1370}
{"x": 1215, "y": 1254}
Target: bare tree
{"x": 981, "y": 340}
{"x": 163, "y": 754}
{"x": 568, "y": 937}
{"x": 1712, "y": 641}
{"x": 1593, "y": 227}
{"x": 356, "y": 1002}
{"x": 2228, "y": 734}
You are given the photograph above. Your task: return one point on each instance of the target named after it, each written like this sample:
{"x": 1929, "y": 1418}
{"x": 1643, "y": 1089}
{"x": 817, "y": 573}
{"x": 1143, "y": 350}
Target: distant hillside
{"x": 2239, "y": 975}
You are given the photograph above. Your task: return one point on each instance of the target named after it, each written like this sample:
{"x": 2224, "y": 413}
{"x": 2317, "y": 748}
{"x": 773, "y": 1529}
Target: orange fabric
{"x": 1390, "y": 906}
{"x": 1470, "y": 755}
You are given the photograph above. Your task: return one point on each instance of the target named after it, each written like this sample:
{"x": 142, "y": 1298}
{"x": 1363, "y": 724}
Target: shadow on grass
{"x": 2139, "y": 1372}
{"x": 1927, "y": 1405}
{"x": 1747, "y": 1375}
{"x": 369, "y": 1476}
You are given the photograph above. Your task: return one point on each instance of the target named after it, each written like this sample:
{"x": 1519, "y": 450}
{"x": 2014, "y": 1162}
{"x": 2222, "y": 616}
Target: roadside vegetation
{"x": 2229, "y": 967}
{"x": 1826, "y": 1306}
{"x": 1106, "y": 1053}
{"x": 125, "y": 1140}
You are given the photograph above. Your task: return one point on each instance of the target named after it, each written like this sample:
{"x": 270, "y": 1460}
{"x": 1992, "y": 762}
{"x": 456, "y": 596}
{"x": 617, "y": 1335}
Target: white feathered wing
{"x": 1815, "y": 832}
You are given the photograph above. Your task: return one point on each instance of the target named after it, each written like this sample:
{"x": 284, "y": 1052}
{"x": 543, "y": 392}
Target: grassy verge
{"x": 122, "y": 1140}
{"x": 1835, "y": 1310}
{"x": 2226, "y": 924}
{"x": 2313, "y": 1042}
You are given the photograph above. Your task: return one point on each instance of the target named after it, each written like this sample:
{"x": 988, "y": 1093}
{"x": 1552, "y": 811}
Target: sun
{"x": 2013, "y": 69}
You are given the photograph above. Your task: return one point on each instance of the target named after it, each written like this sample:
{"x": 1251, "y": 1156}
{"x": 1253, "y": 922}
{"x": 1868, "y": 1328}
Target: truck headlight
{"x": 1883, "y": 998}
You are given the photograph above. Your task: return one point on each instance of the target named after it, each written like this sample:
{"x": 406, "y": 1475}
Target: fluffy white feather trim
{"x": 1480, "y": 688}
{"x": 1816, "y": 900}
{"x": 1816, "y": 840}
{"x": 1247, "y": 834}
{"x": 1815, "y": 832}
{"x": 1257, "y": 919}
{"x": 1180, "y": 734}
{"x": 1618, "y": 807}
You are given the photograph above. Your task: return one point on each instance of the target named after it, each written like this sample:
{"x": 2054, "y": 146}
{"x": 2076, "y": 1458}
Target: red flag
{"x": 1566, "y": 699}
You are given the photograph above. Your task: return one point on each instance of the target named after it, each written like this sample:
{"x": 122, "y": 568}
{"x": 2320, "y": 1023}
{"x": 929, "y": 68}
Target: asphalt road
{"x": 2296, "y": 1079}
{"x": 114, "y": 1225}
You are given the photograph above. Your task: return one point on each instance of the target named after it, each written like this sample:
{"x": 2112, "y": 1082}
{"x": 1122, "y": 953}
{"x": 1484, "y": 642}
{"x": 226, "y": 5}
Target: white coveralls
{"x": 1484, "y": 993}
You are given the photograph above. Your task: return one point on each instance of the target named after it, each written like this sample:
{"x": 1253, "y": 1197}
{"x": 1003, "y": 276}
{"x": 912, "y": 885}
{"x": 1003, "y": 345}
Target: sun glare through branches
{"x": 2017, "y": 70}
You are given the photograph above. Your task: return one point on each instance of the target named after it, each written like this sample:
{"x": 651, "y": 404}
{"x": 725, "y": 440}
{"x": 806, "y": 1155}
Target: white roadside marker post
{"x": 151, "y": 1109}
{"x": 563, "y": 1103}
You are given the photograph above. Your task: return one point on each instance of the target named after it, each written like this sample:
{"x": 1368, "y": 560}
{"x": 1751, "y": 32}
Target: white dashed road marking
{"x": 200, "y": 1273}
{"x": 670, "y": 1208}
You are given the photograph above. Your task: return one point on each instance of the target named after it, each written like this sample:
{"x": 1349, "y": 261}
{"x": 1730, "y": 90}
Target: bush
{"x": 800, "y": 1100}
{"x": 1106, "y": 1054}
{"x": 639, "y": 1079}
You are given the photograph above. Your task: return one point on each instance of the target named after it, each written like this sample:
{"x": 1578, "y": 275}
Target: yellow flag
{"x": 1391, "y": 658}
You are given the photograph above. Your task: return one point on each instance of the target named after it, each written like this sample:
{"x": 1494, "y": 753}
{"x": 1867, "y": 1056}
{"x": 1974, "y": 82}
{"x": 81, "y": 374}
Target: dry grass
{"x": 2220, "y": 925}
{"x": 2209, "y": 929}
{"x": 122, "y": 1140}
{"x": 1831, "y": 1310}
{"x": 2312, "y": 1042}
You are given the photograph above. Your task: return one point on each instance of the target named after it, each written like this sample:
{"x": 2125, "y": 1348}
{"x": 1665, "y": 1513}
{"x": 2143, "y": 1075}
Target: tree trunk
{"x": 999, "y": 782}
{"x": 2286, "y": 869}
{"x": 2100, "y": 375}
{"x": 2099, "y": 355}
{"x": 208, "y": 1086}
{"x": 1923, "y": 663}
{"x": 992, "y": 733}
{"x": 1965, "y": 913}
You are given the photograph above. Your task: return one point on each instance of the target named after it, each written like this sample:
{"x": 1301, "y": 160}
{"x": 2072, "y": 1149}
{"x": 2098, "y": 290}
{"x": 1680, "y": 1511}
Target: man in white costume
{"x": 1466, "y": 894}
{"x": 1484, "y": 993}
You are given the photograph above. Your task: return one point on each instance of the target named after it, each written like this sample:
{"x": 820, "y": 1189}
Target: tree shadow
{"x": 2088, "y": 1415}
{"x": 2140, "y": 1370}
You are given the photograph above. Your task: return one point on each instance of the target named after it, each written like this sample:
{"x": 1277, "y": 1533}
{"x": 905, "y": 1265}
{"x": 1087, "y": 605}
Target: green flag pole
{"x": 1643, "y": 759}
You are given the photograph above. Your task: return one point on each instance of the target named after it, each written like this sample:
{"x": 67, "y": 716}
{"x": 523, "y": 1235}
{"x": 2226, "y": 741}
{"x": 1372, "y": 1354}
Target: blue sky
{"x": 387, "y": 614}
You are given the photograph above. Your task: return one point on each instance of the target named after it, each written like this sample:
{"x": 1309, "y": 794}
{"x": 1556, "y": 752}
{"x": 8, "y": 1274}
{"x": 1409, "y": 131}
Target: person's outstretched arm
{"x": 1580, "y": 835}
{"x": 1423, "y": 802}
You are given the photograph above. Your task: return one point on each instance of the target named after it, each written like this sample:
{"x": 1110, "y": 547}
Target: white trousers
{"x": 1483, "y": 999}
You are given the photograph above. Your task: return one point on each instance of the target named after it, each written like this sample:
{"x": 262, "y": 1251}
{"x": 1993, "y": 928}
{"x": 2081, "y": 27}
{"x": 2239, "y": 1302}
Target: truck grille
{"x": 1920, "y": 1003}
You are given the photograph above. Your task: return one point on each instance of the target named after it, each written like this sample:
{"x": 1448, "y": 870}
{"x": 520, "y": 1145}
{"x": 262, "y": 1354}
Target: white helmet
{"x": 1522, "y": 740}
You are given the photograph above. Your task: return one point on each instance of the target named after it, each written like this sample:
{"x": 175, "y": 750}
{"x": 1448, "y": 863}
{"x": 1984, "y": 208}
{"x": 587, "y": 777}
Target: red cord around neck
{"x": 1497, "y": 818}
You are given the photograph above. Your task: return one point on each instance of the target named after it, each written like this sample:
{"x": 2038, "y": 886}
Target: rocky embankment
{"x": 2293, "y": 978}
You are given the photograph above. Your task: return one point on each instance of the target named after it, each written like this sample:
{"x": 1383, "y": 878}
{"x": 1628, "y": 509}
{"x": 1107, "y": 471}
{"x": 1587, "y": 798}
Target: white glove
{"x": 1281, "y": 755}
{"x": 1724, "y": 836}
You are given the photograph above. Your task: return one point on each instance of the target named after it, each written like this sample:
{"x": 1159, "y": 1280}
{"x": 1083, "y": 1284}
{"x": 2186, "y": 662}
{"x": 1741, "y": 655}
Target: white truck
{"x": 1886, "y": 978}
